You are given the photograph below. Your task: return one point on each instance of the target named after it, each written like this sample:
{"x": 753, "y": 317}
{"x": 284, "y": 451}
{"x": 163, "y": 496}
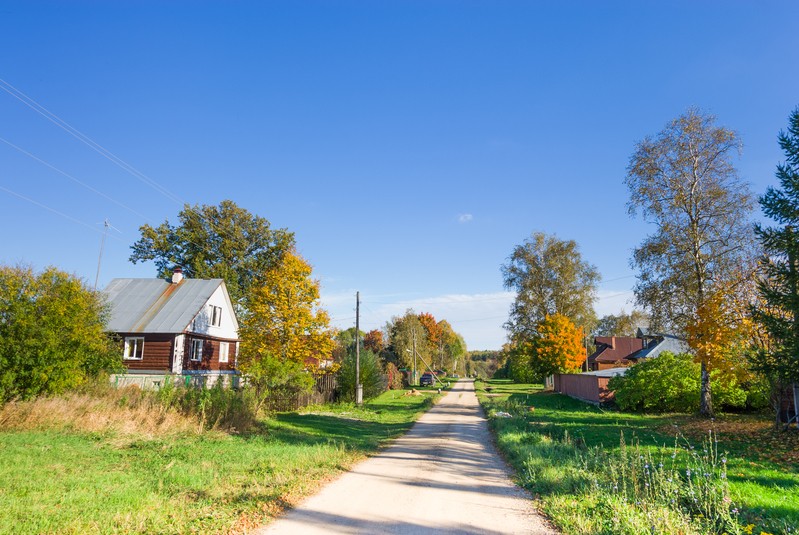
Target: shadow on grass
{"x": 323, "y": 429}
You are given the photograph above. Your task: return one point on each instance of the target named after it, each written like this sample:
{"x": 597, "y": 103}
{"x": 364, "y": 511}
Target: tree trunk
{"x": 705, "y": 400}
{"x": 778, "y": 407}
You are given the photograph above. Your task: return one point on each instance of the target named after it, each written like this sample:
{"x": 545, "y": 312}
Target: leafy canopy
{"x": 550, "y": 277}
{"x": 52, "y": 333}
{"x": 224, "y": 241}
{"x": 556, "y": 348}
{"x": 283, "y": 317}
{"x": 683, "y": 182}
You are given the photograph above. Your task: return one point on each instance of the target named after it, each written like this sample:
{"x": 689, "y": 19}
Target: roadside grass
{"x": 66, "y": 480}
{"x": 571, "y": 454}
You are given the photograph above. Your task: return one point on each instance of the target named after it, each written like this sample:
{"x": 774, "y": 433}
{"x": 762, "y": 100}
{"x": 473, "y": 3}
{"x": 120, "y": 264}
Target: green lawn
{"x": 547, "y": 445}
{"x": 56, "y": 482}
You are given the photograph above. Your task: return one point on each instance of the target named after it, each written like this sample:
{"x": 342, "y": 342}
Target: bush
{"x": 52, "y": 334}
{"x": 667, "y": 382}
{"x": 671, "y": 383}
{"x": 371, "y": 376}
{"x": 394, "y": 379}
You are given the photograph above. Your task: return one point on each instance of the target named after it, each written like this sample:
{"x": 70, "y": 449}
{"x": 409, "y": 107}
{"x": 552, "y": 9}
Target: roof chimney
{"x": 177, "y": 275}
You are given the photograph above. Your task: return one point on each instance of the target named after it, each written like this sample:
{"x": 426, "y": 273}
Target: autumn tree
{"x": 556, "y": 348}
{"x": 452, "y": 348}
{"x": 550, "y": 277}
{"x": 778, "y": 311}
{"x": 683, "y": 182}
{"x": 225, "y": 241}
{"x": 405, "y": 332}
{"x": 52, "y": 333}
{"x": 283, "y": 324}
{"x": 433, "y": 332}
{"x": 374, "y": 341}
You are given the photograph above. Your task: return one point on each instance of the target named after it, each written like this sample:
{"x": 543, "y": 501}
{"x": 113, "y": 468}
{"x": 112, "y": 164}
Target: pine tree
{"x": 779, "y": 286}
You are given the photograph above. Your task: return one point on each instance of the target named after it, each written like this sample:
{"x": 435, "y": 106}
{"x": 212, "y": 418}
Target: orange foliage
{"x": 559, "y": 345}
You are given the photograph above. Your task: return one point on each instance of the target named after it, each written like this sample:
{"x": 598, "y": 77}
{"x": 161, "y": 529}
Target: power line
{"x": 69, "y": 176}
{"x": 86, "y": 140}
{"x": 62, "y": 214}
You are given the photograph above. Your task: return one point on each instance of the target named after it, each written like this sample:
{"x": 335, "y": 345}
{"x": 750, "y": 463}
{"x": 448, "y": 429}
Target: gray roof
{"x": 668, "y": 342}
{"x": 155, "y": 305}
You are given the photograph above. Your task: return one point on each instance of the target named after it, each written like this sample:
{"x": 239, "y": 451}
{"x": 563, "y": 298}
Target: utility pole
{"x": 106, "y": 224}
{"x": 358, "y": 385}
{"x": 414, "y": 358}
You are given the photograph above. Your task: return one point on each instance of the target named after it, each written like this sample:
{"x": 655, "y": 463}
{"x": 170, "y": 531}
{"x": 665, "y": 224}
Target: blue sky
{"x": 409, "y": 145}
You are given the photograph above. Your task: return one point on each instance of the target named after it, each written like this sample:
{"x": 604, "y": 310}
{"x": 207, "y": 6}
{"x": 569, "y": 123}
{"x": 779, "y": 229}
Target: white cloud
{"x": 465, "y": 218}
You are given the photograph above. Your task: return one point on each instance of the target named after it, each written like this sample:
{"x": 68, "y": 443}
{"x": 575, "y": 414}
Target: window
{"x": 224, "y": 350}
{"x": 216, "y": 315}
{"x": 196, "y": 352}
{"x": 134, "y": 348}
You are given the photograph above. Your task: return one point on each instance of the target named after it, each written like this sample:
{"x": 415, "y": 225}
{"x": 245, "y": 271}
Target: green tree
{"x": 779, "y": 286}
{"x": 683, "y": 182}
{"x": 225, "y": 241}
{"x": 402, "y": 331}
{"x": 372, "y": 377}
{"x": 452, "y": 349}
{"x": 549, "y": 277}
{"x": 621, "y": 324}
{"x": 52, "y": 333}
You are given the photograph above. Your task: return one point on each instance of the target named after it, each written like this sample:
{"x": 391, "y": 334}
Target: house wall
{"x": 202, "y": 324}
{"x": 210, "y": 356}
{"x": 156, "y": 355}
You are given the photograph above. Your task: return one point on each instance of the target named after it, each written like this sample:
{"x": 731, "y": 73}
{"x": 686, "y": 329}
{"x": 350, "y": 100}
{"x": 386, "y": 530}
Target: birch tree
{"x": 683, "y": 182}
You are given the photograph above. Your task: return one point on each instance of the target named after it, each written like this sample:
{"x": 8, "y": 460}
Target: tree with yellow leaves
{"x": 556, "y": 348}
{"x": 283, "y": 327}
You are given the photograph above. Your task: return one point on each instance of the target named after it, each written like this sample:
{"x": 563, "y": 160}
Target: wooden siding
{"x": 157, "y": 354}
{"x": 210, "y": 358}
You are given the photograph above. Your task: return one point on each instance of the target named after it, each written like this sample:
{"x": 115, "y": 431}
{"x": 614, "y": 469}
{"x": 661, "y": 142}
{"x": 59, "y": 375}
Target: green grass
{"x": 550, "y": 444}
{"x": 73, "y": 482}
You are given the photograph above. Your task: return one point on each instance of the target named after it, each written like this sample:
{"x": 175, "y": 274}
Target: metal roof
{"x": 667, "y": 343}
{"x": 155, "y": 305}
{"x": 609, "y": 372}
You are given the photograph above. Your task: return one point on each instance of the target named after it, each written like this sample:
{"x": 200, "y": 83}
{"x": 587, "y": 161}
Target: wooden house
{"x": 186, "y": 327}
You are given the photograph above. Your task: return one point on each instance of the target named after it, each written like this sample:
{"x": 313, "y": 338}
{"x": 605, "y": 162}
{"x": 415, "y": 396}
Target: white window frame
{"x": 216, "y": 316}
{"x": 224, "y": 352}
{"x": 196, "y": 350}
{"x": 137, "y": 343}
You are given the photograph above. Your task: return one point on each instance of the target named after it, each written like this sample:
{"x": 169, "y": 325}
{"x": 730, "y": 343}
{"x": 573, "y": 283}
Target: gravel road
{"x": 443, "y": 476}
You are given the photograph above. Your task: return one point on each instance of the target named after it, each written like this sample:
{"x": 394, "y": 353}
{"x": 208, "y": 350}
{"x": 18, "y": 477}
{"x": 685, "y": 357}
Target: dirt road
{"x": 444, "y": 476}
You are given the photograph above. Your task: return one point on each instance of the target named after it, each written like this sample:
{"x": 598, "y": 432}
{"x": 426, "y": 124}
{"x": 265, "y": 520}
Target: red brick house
{"x": 186, "y": 327}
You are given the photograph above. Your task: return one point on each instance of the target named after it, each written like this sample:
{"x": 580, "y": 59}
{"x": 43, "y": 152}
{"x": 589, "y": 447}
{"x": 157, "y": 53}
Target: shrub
{"x": 671, "y": 383}
{"x": 52, "y": 334}
{"x": 371, "y": 376}
{"x": 394, "y": 377}
{"x": 667, "y": 382}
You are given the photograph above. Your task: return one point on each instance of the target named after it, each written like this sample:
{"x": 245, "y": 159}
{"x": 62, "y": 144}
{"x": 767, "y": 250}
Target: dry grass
{"x": 125, "y": 411}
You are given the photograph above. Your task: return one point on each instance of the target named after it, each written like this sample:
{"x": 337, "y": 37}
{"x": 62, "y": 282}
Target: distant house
{"x": 620, "y": 351}
{"x": 187, "y": 327}
{"x": 613, "y": 356}
{"x": 614, "y": 352}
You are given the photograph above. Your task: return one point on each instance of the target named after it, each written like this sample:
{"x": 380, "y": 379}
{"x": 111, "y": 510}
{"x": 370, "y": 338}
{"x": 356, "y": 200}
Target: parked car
{"x": 427, "y": 379}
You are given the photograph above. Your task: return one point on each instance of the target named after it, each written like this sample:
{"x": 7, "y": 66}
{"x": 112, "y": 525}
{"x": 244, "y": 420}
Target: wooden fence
{"x": 324, "y": 391}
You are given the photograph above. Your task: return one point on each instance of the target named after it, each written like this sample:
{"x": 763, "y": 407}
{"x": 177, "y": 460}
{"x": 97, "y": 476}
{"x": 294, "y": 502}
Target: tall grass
{"x": 100, "y": 408}
{"x": 627, "y": 490}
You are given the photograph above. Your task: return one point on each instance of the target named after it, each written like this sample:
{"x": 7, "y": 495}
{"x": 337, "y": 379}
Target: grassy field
{"x": 553, "y": 441}
{"x": 57, "y": 481}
